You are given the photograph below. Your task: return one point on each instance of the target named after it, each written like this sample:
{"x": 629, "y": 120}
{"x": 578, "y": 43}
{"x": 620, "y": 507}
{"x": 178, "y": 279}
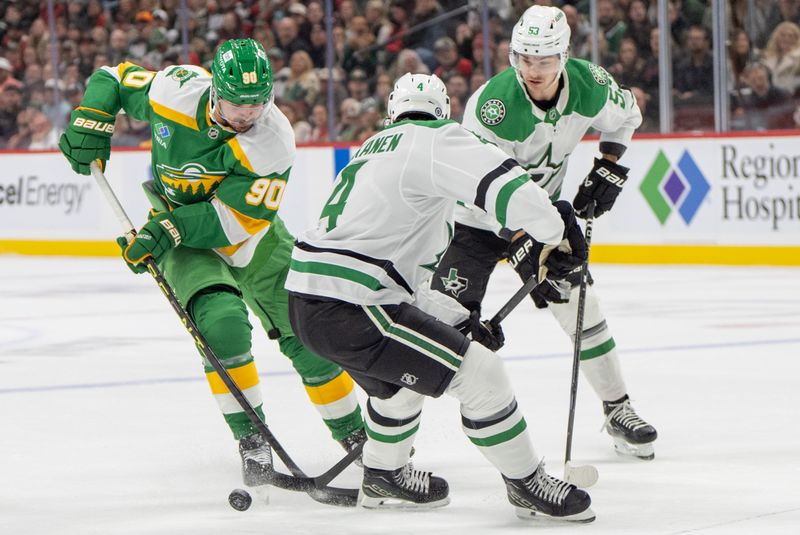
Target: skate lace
{"x": 413, "y": 480}
{"x": 261, "y": 454}
{"x": 625, "y": 416}
{"x": 547, "y": 487}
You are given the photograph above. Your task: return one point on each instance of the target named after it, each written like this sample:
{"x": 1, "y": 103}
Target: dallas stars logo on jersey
{"x": 453, "y": 283}
{"x": 493, "y": 111}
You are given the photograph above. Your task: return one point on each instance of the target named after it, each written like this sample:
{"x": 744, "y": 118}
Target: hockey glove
{"x": 602, "y": 185}
{"x": 87, "y": 138}
{"x": 486, "y": 334}
{"x": 157, "y": 236}
{"x": 550, "y": 263}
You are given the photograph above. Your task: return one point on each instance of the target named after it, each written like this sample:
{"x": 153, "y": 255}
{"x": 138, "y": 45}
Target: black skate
{"x": 541, "y": 494}
{"x": 256, "y": 455}
{"x": 402, "y": 488}
{"x": 632, "y": 436}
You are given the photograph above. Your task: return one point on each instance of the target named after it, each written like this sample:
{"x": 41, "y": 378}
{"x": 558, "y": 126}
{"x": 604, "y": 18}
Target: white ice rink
{"x": 107, "y": 427}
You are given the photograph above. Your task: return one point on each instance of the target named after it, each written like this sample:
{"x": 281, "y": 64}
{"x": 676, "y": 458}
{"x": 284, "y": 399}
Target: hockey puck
{"x": 240, "y": 499}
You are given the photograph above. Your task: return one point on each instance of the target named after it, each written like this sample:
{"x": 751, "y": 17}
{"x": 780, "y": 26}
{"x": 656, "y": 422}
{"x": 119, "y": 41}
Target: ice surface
{"x": 107, "y": 427}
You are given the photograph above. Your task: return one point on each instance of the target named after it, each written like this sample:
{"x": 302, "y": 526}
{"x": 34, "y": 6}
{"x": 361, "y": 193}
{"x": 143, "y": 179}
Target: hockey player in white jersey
{"x": 351, "y": 286}
{"x": 537, "y": 111}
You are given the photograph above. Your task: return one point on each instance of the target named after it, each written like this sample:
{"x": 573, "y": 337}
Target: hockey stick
{"x": 512, "y": 303}
{"x": 316, "y": 487}
{"x": 583, "y": 475}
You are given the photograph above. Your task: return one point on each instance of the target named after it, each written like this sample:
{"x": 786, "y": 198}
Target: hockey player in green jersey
{"x": 358, "y": 294}
{"x": 537, "y": 111}
{"x": 221, "y": 158}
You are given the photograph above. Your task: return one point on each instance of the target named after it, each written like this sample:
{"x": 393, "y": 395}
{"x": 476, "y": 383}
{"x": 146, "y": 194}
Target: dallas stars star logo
{"x": 453, "y": 283}
{"x": 539, "y": 170}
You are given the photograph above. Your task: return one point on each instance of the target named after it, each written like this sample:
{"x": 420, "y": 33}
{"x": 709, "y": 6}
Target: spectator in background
{"x": 580, "y": 40}
{"x": 611, "y": 24}
{"x": 629, "y": 68}
{"x": 301, "y": 128}
{"x": 118, "y": 46}
{"x": 318, "y": 40}
{"x": 288, "y": 38}
{"x": 358, "y": 52}
{"x": 383, "y": 86}
{"x": 457, "y": 87}
{"x": 280, "y": 72}
{"x": 57, "y": 111}
{"x": 638, "y": 27}
{"x": 379, "y": 25}
{"x": 348, "y": 127}
{"x": 298, "y": 12}
{"x": 423, "y": 40}
{"x": 319, "y": 124}
{"x": 449, "y": 61}
{"x": 782, "y": 56}
{"x": 694, "y": 73}
{"x": 43, "y": 135}
{"x": 408, "y": 61}
{"x": 398, "y": 22}
{"x": 6, "y": 77}
{"x": 358, "y": 85}
{"x": 740, "y": 55}
{"x": 10, "y": 106}
{"x": 649, "y": 113}
{"x": 302, "y": 85}
{"x": 760, "y": 105}
{"x": 500, "y": 61}
{"x": 477, "y": 79}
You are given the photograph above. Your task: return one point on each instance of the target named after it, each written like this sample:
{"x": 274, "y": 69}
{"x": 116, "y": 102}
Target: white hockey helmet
{"x": 419, "y": 93}
{"x": 540, "y": 31}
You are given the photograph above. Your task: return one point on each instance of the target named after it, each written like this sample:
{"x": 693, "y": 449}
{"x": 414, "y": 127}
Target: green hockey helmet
{"x": 241, "y": 73}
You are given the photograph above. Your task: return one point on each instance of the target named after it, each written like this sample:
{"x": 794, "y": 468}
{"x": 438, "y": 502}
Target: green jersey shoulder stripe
{"x": 504, "y": 196}
{"x": 341, "y": 272}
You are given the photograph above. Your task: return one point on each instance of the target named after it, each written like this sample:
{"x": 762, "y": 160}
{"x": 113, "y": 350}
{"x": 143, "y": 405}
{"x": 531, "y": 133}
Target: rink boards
{"x": 732, "y": 199}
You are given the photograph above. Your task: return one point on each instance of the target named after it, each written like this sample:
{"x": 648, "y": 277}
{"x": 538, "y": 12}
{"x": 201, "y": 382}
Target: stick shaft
{"x": 576, "y": 355}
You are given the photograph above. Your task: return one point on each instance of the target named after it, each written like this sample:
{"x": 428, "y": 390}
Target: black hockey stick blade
{"x": 322, "y": 494}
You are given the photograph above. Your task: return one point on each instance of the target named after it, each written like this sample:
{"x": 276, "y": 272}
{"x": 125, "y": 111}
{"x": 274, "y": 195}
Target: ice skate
{"x": 542, "y": 495}
{"x": 256, "y": 460}
{"x": 633, "y": 437}
{"x": 402, "y": 488}
{"x": 351, "y": 441}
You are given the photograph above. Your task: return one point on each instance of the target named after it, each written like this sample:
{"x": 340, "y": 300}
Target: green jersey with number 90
{"x": 233, "y": 182}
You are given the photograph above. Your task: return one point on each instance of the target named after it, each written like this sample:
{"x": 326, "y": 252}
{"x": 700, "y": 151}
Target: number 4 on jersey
{"x": 335, "y": 205}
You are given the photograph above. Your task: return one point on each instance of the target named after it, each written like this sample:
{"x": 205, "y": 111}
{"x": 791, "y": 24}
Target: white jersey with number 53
{"x": 390, "y": 215}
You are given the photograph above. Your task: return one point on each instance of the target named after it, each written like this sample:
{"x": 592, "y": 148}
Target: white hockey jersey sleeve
{"x": 619, "y": 117}
{"x": 480, "y": 174}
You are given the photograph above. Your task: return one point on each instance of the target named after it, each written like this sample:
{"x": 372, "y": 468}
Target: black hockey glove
{"x": 486, "y": 334}
{"x": 528, "y": 257}
{"x": 602, "y": 185}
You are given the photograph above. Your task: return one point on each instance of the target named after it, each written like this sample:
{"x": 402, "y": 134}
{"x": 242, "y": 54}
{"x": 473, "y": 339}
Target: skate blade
{"x": 584, "y": 517}
{"x": 644, "y": 452}
{"x": 369, "y": 502}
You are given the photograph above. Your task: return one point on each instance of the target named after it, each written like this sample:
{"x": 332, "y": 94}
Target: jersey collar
{"x": 561, "y": 104}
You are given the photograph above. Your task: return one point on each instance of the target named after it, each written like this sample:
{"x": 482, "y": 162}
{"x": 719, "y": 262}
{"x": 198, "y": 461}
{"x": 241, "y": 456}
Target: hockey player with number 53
{"x": 352, "y": 299}
{"x": 221, "y": 158}
{"x": 537, "y": 111}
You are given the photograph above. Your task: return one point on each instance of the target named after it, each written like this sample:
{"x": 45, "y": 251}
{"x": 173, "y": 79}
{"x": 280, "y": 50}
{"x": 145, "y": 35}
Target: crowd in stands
{"x": 373, "y": 46}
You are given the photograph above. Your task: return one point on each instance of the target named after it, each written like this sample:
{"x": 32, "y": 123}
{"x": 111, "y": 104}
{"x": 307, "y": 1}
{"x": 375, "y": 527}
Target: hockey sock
{"x": 392, "y": 425}
{"x": 490, "y": 416}
{"x": 329, "y": 388}
{"x": 599, "y": 361}
{"x": 222, "y": 318}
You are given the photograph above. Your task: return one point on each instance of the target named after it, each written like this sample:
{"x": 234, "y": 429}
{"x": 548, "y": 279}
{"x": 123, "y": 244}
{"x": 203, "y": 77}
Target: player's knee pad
{"x": 594, "y": 323}
{"x": 481, "y": 383}
{"x": 221, "y": 316}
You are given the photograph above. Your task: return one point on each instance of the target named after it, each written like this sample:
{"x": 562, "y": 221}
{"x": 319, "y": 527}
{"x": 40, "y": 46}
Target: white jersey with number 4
{"x": 390, "y": 215}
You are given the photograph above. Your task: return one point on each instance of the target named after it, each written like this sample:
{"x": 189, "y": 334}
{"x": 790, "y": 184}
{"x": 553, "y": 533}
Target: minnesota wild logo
{"x": 181, "y": 75}
{"x": 191, "y": 178}
{"x": 493, "y": 111}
